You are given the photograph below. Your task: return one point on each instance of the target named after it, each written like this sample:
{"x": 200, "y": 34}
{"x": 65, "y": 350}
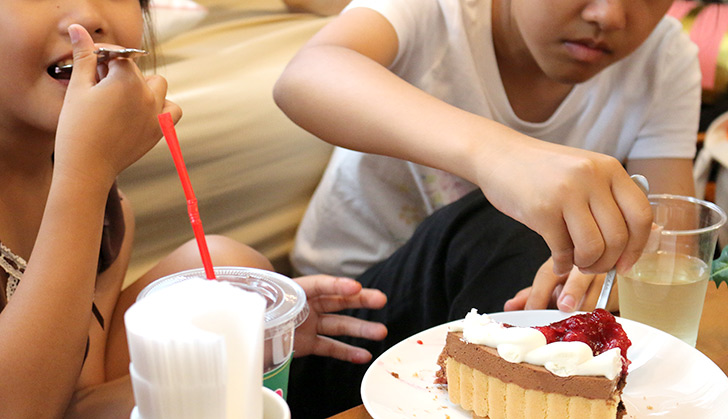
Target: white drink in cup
{"x": 286, "y": 308}
{"x": 666, "y": 287}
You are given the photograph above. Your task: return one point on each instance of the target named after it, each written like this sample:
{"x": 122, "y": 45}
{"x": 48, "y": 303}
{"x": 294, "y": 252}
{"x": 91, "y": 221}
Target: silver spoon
{"x": 641, "y": 181}
{"x": 105, "y": 54}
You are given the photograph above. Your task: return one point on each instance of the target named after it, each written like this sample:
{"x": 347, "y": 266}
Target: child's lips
{"x": 586, "y": 50}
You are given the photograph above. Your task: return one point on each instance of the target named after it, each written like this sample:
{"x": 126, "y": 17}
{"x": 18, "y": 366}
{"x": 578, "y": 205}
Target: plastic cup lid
{"x": 286, "y": 306}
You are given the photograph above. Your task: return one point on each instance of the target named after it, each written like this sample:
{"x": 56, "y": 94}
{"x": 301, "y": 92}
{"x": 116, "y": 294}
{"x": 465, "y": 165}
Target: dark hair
{"x": 150, "y": 41}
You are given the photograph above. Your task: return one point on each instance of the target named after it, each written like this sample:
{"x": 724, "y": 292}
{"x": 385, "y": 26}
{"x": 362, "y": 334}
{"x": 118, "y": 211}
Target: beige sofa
{"x": 253, "y": 170}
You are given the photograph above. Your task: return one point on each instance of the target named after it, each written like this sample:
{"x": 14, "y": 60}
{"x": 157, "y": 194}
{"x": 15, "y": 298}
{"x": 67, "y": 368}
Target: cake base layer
{"x": 488, "y": 397}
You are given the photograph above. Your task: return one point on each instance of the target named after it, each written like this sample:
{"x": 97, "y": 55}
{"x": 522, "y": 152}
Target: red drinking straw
{"x": 170, "y": 134}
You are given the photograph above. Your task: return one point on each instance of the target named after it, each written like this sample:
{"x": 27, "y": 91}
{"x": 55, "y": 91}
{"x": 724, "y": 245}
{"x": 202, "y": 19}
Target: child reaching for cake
{"x": 66, "y": 230}
{"x": 486, "y": 146}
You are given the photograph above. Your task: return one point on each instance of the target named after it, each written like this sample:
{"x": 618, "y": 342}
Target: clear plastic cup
{"x": 666, "y": 287}
{"x": 286, "y": 308}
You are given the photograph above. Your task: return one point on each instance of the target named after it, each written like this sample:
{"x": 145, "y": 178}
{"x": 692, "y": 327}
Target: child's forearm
{"x": 673, "y": 176}
{"x": 45, "y": 326}
{"x": 351, "y": 101}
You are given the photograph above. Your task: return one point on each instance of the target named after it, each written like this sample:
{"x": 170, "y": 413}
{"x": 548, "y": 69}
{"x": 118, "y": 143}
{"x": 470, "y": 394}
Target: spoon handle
{"x": 641, "y": 181}
{"x": 106, "y": 54}
{"x": 606, "y": 289}
{"x": 103, "y": 55}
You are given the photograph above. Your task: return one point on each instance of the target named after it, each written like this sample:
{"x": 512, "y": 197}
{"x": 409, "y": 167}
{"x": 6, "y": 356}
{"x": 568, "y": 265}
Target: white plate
{"x": 667, "y": 378}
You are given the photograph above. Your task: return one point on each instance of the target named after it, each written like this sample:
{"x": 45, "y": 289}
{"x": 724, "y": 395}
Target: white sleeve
{"x": 672, "y": 120}
{"x": 414, "y": 21}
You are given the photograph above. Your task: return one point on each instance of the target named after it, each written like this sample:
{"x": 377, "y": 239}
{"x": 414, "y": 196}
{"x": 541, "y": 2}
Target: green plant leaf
{"x": 720, "y": 268}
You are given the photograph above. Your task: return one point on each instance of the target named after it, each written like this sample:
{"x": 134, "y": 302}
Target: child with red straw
{"x": 66, "y": 230}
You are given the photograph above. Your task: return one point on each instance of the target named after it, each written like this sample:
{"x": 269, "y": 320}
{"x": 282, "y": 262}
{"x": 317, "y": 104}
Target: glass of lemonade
{"x": 666, "y": 287}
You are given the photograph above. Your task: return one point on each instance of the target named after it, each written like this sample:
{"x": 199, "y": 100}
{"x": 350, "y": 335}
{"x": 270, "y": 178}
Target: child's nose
{"x": 608, "y": 15}
{"x": 87, "y": 13}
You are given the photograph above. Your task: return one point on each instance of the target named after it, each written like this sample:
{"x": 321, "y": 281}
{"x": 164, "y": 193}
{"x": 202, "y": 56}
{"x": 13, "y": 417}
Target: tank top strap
{"x": 14, "y": 266}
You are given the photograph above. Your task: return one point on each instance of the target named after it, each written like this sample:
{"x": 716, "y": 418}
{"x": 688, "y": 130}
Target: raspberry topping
{"x": 598, "y": 329}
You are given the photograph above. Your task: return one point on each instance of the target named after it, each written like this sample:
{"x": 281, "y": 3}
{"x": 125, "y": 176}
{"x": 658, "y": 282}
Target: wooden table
{"x": 713, "y": 334}
{"x": 712, "y": 339}
{"x": 358, "y": 412}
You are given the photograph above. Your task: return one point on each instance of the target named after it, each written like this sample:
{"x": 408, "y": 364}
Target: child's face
{"x": 34, "y": 38}
{"x": 572, "y": 40}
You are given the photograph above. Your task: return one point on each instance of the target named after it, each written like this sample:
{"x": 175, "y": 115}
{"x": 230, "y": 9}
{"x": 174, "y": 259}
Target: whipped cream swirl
{"x": 525, "y": 344}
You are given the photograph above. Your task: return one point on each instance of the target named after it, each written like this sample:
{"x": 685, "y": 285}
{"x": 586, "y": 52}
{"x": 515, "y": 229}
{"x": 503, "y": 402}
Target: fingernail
{"x": 562, "y": 273}
{"x": 73, "y": 34}
{"x": 567, "y": 303}
{"x": 624, "y": 266}
{"x": 361, "y": 357}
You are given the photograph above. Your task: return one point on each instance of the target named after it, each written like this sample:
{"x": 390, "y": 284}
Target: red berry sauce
{"x": 598, "y": 329}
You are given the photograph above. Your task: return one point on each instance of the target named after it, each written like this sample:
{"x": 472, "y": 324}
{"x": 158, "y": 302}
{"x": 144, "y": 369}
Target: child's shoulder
{"x": 668, "y": 37}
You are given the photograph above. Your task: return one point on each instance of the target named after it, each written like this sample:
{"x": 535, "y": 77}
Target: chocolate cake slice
{"x": 503, "y": 379}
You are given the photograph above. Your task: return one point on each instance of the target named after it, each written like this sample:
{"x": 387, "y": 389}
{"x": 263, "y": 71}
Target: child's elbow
{"x": 279, "y": 91}
{"x": 284, "y": 90}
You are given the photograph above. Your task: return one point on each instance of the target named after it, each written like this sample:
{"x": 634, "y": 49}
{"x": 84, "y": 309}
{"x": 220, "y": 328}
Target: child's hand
{"x": 328, "y": 294}
{"x": 584, "y": 204}
{"x": 106, "y": 125}
{"x": 575, "y": 291}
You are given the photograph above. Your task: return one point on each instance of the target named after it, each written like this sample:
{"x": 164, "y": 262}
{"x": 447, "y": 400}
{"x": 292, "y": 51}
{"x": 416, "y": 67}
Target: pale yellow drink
{"x": 666, "y": 291}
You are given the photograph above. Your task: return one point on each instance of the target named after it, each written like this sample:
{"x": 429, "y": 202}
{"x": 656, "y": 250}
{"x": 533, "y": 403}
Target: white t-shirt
{"x": 366, "y": 206}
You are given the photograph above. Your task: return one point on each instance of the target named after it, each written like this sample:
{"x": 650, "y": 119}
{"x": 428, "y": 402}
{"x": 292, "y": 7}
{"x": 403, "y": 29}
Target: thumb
{"x": 84, "y": 59}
